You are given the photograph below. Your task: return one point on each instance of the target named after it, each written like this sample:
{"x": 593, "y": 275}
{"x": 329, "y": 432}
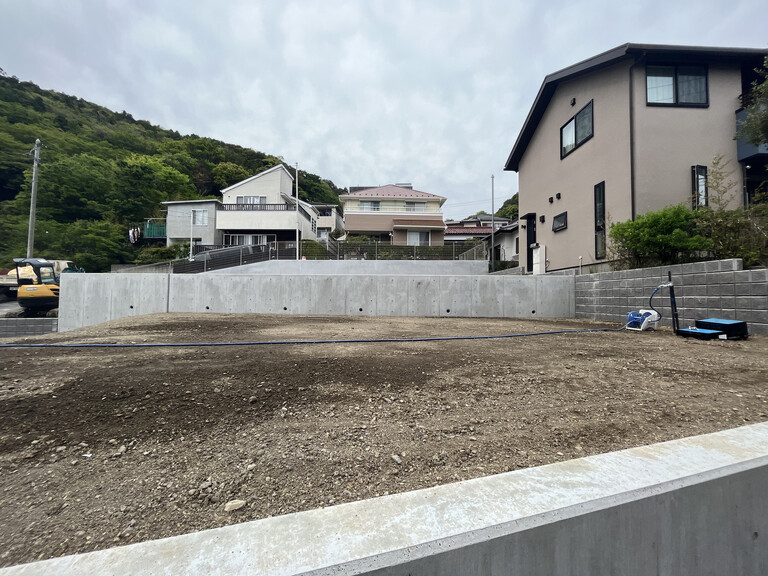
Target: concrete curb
{"x": 684, "y": 507}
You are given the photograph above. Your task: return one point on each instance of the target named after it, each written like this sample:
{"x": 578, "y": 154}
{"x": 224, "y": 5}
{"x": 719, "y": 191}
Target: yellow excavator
{"x": 38, "y": 283}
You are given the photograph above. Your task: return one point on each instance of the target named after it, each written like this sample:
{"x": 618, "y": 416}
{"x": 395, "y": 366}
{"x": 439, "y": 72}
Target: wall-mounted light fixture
{"x": 573, "y": 101}
{"x": 541, "y": 218}
{"x": 551, "y": 200}
{"x": 557, "y": 195}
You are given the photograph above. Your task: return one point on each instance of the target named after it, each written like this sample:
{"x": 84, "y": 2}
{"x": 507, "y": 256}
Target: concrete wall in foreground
{"x": 688, "y": 507}
{"x": 88, "y": 299}
{"x": 716, "y": 289}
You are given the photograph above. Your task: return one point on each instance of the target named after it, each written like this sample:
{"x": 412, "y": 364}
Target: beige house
{"x": 627, "y": 132}
{"x": 394, "y": 213}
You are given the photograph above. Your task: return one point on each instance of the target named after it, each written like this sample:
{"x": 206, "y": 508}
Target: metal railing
{"x": 397, "y": 209}
{"x": 254, "y": 207}
{"x": 218, "y": 258}
{"x": 387, "y": 251}
{"x": 154, "y": 228}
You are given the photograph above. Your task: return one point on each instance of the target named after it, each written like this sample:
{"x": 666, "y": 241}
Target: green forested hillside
{"x": 102, "y": 172}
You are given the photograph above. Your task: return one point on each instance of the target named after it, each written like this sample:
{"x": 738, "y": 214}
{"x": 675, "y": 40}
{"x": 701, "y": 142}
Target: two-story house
{"x": 394, "y": 213}
{"x": 256, "y": 211}
{"x": 626, "y": 132}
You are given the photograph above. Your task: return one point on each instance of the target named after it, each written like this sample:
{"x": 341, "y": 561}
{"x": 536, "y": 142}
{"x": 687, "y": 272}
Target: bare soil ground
{"x": 105, "y": 446}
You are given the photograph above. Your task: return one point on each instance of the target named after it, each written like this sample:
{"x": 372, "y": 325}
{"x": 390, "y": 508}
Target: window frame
{"x": 203, "y": 213}
{"x": 675, "y": 85}
{"x": 560, "y": 222}
{"x": 577, "y": 141}
{"x": 416, "y": 206}
{"x": 699, "y": 175}
{"x": 599, "y": 212}
{"x": 369, "y": 205}
{"x": 420, "y": 241}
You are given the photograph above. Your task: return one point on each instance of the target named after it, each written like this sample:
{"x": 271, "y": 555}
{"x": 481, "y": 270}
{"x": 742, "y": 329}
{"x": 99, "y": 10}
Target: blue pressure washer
{"x": 707, "y": 329}
{"x": 642, "y": 320}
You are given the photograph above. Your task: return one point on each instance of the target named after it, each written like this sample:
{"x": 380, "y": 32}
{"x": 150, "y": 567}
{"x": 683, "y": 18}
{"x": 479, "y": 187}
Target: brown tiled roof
{"x": 479, "y": 230}
{"x": 390, "y": 191}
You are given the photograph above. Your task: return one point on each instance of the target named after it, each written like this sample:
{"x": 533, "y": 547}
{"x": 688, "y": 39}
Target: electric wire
{"x": 305, "y": 342}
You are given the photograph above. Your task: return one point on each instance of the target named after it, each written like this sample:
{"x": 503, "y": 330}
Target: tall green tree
{"x": 755, "y": 127}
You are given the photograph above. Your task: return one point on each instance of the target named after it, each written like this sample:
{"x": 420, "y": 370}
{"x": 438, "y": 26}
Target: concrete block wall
{"x": 16, "y": 327}
{"x": 716, "y": 289}
{"x": 682, "y": 508}
{"x": 88, "y": 299}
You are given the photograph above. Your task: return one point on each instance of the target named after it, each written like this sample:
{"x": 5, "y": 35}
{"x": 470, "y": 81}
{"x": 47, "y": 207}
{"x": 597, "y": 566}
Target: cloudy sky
{"x": 362, "y": 92}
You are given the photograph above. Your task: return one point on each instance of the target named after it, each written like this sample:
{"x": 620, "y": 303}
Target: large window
{"x": 676, "y": 85}
{"x": 576, "y": 131}
{"x": 200, "y": 217}
{"x": 415, "y": 206}
{"x": 699, "y": 193}
{"x": 418, "y": 238}
{"x": 600, "y": 221}
{"x": 370, "y": 205}
{"x": 251, "y": 200}
{"x": 245, "y": 239}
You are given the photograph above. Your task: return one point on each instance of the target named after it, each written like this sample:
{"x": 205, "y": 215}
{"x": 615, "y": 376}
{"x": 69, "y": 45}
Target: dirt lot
{"x": 105, "y": 446}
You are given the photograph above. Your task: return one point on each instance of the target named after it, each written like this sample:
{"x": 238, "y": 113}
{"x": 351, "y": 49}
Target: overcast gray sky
{"x": 360, "y": 92}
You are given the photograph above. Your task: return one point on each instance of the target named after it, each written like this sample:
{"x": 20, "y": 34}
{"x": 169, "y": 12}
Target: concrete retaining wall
{"x": 717, "y": 289}
{"x": 682, "y": 508}
{"x": 88, "y": 299}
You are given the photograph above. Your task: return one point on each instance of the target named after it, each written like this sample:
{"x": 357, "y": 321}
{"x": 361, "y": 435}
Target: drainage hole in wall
{"x": 755, "y": 535}
{"x": 131, "y": 307}
{"x": 285, "y": 308}
{"x": 360, "y": 309}
{"x": 207, "y": 307}
{"x": 533, "y": 311}
{"x": 448, "y": 311}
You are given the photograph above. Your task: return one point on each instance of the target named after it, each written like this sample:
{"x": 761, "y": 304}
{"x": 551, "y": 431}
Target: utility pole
{"x": 297, "y": 211}
{"x": 191, "y": 234}
{"x": 33, "y": 200}
{"x": 493, "y": 229}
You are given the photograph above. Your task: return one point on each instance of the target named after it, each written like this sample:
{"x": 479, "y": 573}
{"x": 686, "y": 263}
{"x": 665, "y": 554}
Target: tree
{"x": 669, "y": 236}
{"x": 737, "y": 233}
{"x": 225, "y": 174}
{"x": 755, "y": 127}
{"x": 509, "y": 209}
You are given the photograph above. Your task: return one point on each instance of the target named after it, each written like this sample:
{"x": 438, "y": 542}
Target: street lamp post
{"x": 493, "y": 228}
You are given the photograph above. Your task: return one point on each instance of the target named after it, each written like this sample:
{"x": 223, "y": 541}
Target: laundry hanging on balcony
{"x": 134, "y": 234}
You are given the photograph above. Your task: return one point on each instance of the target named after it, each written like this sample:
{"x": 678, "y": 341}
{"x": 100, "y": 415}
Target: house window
{"x": 314, "y": 225}
{"x": 699, "y": 193}
{"x": 600, "y": 221}
{"x": 415, "y": 206}
{"x": 576, "y": 131}
{"x": 245, "y": 239}
{"x": 676, "y": 85}
{"x": 370, "y": 205}
{"x": 200, "y": 217}
{"x": 560, "y": 222}
{"x": 251, "y": 200}
{"x": 418, "y": 238}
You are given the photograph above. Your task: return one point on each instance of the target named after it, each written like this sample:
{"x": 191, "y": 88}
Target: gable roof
{"x": 750, "y": 56}
{"x": 391, "y": 191}
{"x": 259, "y": 175}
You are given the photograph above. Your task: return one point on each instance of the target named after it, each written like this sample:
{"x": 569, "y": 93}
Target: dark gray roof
{"x": 751, "y": 57}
